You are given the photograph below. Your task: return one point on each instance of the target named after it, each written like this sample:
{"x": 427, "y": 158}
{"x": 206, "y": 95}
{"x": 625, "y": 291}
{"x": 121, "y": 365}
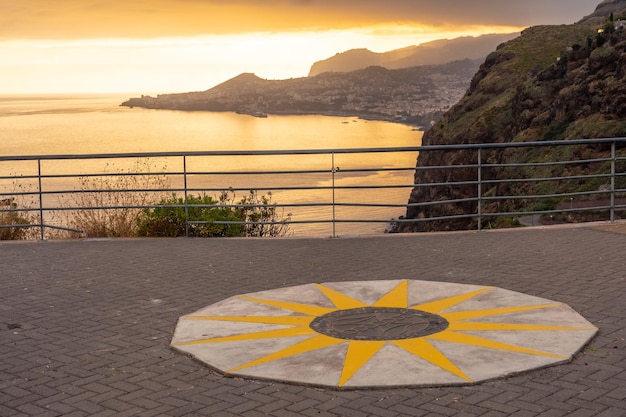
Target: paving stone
{"x": 524, "y": 413}
{"x": 581, "y": 412}
{"x": 96, "y": 319}
{"x": 286, "y": 413}
{"x": 302, "y": 405}
{"x": 612, "y": 412}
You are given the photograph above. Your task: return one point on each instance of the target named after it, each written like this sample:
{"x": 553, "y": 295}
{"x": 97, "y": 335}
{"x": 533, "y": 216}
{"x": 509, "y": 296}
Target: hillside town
{"x": 416, "y": 95}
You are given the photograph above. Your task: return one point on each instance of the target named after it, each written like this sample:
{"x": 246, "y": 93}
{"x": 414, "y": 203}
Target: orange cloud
{"x": 67, "y": 19}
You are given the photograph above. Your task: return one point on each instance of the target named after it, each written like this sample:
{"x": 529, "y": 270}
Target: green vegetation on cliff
{"x": 551, "y": 83}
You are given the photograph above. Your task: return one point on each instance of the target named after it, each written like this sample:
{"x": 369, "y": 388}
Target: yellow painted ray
{"x": 268, "y": 334}
{"x": 340, "y": 300}
{"x": 466, "y": 339}
{"x": 313, "y": 343}
{"x": 472, "y": 314}
{"x": 468, "y": 325}
{"x": 308, "y": 309}
{"x": 359, "y": 353}
{"x": 287, "y": 320}
{"x": 397, "y": 297}
{"x": 445, "y": 303}
{"x": 424, "y": 349}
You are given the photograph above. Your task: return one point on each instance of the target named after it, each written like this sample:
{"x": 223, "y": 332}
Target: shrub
{"x": 105, "y": 209}
{"x": 170, "y": 218}
{"x": 10, "y": 216}
{"x": 251, "y": 216}
{"x": 504, "y": 222}
{"x": 261, "y": 215}
{"x": 545, "y": 205}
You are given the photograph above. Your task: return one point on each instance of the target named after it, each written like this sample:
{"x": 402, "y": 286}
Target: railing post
{"x": 480, "y": 190}
{"x": 333, "y": 170}
{"x": 185, "y": 187}
{"x": 41, "y": 224}
{"x": 613, "y": 161}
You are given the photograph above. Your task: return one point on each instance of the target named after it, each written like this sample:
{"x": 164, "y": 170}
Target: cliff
{"x": 605, "y": 9}
{"x": 551, "y": 83}
{"x": 436, "y": 52}
{"x": 414, "y": 95}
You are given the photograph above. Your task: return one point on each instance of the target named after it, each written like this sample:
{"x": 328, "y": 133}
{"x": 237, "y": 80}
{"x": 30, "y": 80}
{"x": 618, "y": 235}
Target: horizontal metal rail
{"x": 44, "y": 185}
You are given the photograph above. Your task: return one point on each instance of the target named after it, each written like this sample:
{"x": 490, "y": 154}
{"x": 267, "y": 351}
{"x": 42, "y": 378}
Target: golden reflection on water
{"x": 96, "y": 124}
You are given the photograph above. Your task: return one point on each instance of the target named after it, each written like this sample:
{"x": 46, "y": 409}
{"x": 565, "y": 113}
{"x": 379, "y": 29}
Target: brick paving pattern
{"x": 85, "y": 326}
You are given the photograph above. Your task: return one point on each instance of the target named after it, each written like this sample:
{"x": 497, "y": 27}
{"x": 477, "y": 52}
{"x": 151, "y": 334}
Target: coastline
{"x": 374, "y": 117}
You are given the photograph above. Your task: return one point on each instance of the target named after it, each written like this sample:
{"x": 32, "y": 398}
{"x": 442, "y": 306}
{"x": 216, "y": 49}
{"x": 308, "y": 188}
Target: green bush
{"x": 504, "y": 223}
{"x": 170, "y": 218}
{"x": 252, "y": 216}
{"x": 546, "y": 205}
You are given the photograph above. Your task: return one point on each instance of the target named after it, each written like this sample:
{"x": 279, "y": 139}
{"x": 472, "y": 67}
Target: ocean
{"x": 95, "y": 124}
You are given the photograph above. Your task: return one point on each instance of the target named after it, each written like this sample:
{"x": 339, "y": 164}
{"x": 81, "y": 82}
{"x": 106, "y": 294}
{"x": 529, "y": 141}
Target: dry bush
{"x": 13, "y": 212}
{"x": 11, "y": 216}
{"x": 261, "y": 214}
{"x": 105, "y": 207}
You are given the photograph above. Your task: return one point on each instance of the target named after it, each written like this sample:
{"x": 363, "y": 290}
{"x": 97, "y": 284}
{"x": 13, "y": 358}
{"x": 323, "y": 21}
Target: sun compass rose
{"x": 382, "y": 333}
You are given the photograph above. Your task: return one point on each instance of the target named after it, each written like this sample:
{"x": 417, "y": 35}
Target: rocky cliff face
{"x": 551, "y": 83}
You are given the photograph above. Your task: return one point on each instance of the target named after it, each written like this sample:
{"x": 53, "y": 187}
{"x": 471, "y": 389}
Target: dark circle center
{"x": 378, "y": 323}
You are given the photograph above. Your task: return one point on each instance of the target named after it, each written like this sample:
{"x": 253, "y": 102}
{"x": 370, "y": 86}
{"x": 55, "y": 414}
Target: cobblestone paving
{"x": 85, "y": 326}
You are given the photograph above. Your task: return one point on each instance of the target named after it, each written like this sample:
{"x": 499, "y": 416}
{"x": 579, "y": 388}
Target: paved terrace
{"x": 85, "y": 326}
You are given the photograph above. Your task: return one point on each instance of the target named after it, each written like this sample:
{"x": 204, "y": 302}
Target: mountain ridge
{"x": 436, "y": 52}
{"x": 604, "y": 10}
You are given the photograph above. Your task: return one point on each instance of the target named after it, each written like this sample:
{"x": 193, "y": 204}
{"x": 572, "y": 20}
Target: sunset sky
{"x": 160, "y": 46}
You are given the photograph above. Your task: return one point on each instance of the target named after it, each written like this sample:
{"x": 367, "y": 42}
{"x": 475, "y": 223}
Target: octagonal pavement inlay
{"x": 363, "y": 334}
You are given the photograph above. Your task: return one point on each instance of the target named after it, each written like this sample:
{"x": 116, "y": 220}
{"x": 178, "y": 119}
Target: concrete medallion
{"x": 382, "y": 334}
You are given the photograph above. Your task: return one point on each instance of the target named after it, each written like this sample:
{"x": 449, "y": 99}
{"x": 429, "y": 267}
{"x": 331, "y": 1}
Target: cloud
{"x": 67, "y": 19}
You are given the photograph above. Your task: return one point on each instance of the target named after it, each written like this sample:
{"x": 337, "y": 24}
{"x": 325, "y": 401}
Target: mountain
{"x": 522, "y": 93}
{"x": 414, "y": 95}
{"x": 415, "y": 85}
{"x": 604, "y": 10}
{"x": 431, "y": 53}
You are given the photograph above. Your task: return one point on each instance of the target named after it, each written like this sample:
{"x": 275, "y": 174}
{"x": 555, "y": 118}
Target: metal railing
{"x": 599, "y": 183}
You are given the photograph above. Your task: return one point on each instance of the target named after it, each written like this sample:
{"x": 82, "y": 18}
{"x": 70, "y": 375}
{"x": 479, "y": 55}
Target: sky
{"x": 163, "y": 46}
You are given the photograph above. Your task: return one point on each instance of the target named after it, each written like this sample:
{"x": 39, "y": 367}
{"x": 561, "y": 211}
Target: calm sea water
{"x": 52, "y": 125}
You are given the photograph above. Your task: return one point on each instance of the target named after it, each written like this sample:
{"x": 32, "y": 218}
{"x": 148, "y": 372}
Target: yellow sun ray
{"x": 472, "y": 314}
{"x": 397, "y": 297}
{"x": 313, "y": 343}
{"x": 467, "y": 326}
{"x": 268, "y": 334}
{"x": 308, "y": 309}
{"x": 466, "y": 339}
{"x": 359, "y": 353}
{"x": 424, "y": 349}
{"x": 445, "y": 303}
{"x": 340, "y": 300}
{"x": 287, "y": 320}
